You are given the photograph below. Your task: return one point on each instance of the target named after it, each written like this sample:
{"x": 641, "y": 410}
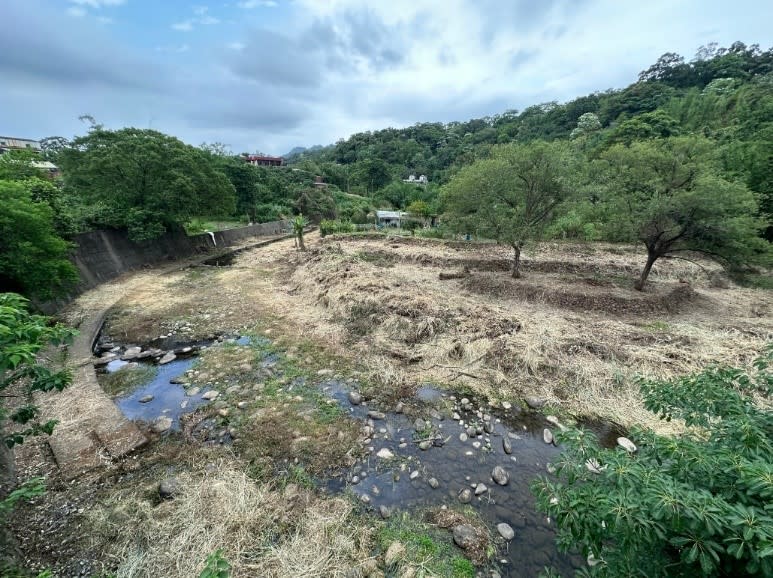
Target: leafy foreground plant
{"x": 696, "y": 505}
{"x": 216, "y": 566}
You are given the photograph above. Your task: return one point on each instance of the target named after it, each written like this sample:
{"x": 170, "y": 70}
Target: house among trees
{"x": 8, "y": 143}
{"x": 422, "y": 180}
{"x": 319, "y": 183}
{"x": 390, "y": 218}
{"x": 264, "y": 161}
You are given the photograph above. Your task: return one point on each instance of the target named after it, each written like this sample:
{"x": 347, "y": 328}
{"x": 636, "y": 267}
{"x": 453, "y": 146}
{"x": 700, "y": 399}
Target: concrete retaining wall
{"x": 103, "y": 255}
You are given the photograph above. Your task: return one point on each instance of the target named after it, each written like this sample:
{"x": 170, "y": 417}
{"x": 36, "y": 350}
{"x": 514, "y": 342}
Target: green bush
{"x": 331, "y": 227}
{"x": 698, "y": 504}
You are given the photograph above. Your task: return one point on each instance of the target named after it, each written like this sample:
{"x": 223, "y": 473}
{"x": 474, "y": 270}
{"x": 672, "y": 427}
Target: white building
{"x": 422, "y": 180}
{"x": 390, "y": 218}
{"x": 8, "y": 143}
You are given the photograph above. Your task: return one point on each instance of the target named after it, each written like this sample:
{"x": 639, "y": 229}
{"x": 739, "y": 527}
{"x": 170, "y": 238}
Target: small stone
{"x": 535, "y": 402}
{"x": 419, "y": 424}
{"x": 376, "y": 415}
{"x": 193, "y": 391}
{"x": 463, "y": 437}
{"x": 242, "y": 405}
{"x": 425, "y": 445}
{"x": 325, "y": 372}
{"x": 167, "y": 358}
{"x": 384, "y": 511}
{"x": 414, "y": 474}
{"x": 500, "y": 475}
{"x": 365, "y": 499}
{"x": 476, "y": 445}
{"x": 488, "y": 427}
{"x": 375, "y": 490}
{"x": 481, "y": 489}
{"x": 506, "y": 531}
{"x": 394, "y": 553}
{"x": 456, "y": 416}
{"x": 223, "y": 412}
{"x": 465, "y": 496}
{"x": 355, "y": 480}
{"x": 547, "y": 436}
{"x": 131, "y": 353}
{"x": 210, "y": 395}
{"x": 507, "y": 405}
{"x": 465, "y": 536}
{"x": 433, "y": 483}
{"x": 355, "y": 398}
{"x": 169, "y": 488}
{"x": 400, "y": 407}
{"x": 385, "y": 454}
{"x": 161, "y": 424}
{"x": 146, "y": 399}
{"x": 507, "y": 446}
{"x": 626, "y": 444}
{"x": 470, "y": 431}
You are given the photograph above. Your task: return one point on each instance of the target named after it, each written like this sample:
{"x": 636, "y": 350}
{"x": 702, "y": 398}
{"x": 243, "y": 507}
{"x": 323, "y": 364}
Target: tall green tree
{"x": 33, "y": 258}
{"x": 148, "y": 182}
{"x": 668, "y": 195}
{"x": 511, "y": 197}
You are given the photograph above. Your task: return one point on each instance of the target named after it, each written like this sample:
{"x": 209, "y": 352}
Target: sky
{"x": 269, "y": 75}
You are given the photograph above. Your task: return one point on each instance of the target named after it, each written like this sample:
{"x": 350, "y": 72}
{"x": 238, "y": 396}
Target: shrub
{"x": 331, "y": 227}
{"x": 694, "y": 505}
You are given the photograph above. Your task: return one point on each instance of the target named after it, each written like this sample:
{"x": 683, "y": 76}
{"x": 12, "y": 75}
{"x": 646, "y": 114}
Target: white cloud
{"x": 76, "y": 11}
{"x": 98, "y": 3}
{"x": 174, "y": 48}
{"x": 201, "y": 17}
{"x": 184, "y": 26}
{"x": 236, "y": 45}
{"x": 249, "y": 4}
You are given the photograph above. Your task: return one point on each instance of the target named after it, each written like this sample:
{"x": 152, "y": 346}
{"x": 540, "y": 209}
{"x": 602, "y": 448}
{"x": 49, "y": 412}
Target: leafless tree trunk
{"x": 651, "y": 258}
{"x": 516, "y": 262}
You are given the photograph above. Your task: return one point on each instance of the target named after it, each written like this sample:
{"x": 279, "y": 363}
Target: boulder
{"x": 465, "y": 496}
{"x": 210, "y": 395}
{"x": 465, "y": 536}
{"x": 500, "y": 475}
{"x": 146, "y": 399}
{"x": 168, "y": 357}
{"x": 547, "y": 436}
{"x": 507, "y": 446}
{"x": 355, "y": 398}
{"x": 535, "y": 402}
{"x": 506, "y": 531}
{"x": 161, "y": 424}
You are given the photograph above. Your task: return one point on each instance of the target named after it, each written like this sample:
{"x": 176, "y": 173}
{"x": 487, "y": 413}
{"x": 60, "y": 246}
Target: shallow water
{"x": 457, "y": 465}
{"x": 169, "y": 399}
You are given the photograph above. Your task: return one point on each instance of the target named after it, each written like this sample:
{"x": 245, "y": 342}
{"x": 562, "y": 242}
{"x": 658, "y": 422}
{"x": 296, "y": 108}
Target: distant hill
{"x": 300, "y": 151}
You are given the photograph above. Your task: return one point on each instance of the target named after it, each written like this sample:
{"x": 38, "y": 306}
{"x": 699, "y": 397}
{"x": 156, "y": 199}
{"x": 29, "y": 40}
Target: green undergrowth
{"x": 427, "y": 547}
{"x": 127, "y": 378}
{"x": 286, "y": 425}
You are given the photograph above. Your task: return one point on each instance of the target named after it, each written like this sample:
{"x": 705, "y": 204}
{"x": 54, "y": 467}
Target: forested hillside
{"x": 723, "y": 94}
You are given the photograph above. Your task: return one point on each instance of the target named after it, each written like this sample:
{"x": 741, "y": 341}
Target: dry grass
{"x": 572, "y": 331}
{"x": 261, "y": 531}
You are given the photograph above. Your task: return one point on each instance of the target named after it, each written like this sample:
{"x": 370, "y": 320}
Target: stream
{"x": 437, "y": 456}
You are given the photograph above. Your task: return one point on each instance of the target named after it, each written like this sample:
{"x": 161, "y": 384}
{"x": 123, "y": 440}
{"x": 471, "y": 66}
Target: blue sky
{"x": 267, "y": 75}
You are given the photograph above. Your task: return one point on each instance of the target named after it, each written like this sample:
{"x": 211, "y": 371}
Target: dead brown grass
{"x": 261, "y": 530}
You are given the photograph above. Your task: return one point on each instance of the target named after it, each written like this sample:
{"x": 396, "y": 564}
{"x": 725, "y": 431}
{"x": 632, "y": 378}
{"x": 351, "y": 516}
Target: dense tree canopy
{"x": 512, "y": 196}
{"x": 667, "y": 195}
{"x": 145, "y": 181}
